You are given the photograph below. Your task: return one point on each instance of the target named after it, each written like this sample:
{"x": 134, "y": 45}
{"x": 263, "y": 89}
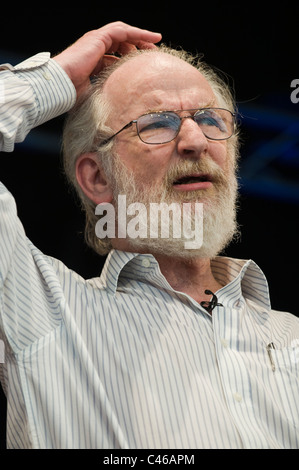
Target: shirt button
{"x": 47, "y": 76}
{"x": 237, "y": 397}
{"x": 224, "y": 342}
{"x": 146, "y": 263}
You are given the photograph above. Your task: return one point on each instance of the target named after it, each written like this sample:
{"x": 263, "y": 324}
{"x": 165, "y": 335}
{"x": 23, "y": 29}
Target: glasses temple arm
{"x": 105, "y": 141}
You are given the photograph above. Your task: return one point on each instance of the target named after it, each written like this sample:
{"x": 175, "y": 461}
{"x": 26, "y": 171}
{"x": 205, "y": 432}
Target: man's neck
{"x": 192, "y": 277}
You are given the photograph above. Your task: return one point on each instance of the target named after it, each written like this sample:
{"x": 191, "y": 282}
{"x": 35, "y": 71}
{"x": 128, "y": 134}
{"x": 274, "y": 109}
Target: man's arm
{"x": 41, "y": 88}
{"x": 31, "y": 93}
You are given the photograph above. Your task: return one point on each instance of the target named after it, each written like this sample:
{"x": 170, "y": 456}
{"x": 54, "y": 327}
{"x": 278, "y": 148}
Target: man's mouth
{"x": 193, "y": 182}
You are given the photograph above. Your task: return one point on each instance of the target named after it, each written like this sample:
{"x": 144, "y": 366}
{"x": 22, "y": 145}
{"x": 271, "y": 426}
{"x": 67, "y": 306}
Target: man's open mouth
{"x": 193, "y": 182}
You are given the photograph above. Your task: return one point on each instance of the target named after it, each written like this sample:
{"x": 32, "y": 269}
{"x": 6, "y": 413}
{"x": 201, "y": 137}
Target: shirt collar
{"x": 239, "y": 277}
{"x": 114, "y": 264}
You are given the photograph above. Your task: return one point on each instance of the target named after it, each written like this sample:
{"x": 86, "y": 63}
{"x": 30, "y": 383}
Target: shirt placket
{"x": 235, "y": 379}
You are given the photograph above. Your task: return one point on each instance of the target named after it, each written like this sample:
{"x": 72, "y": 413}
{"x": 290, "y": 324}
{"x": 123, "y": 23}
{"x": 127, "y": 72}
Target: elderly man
{"x": 173, "y": 346}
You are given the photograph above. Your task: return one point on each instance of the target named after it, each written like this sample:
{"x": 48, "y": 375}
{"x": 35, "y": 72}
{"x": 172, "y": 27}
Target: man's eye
{"x": 214, "y": 120}
{"x": 154, "y": 125}
{"x": 155, "y": 122}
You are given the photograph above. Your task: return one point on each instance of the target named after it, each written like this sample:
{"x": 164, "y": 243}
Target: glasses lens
{"x": 158, "y": 128}
{"x": 216, "y": 124}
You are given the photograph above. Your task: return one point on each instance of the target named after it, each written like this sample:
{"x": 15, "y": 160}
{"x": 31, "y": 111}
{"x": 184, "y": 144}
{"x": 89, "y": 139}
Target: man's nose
{"x": 191, "y": 141}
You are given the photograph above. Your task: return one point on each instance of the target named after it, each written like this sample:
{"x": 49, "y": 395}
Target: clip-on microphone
{"x": 210, "y": 305}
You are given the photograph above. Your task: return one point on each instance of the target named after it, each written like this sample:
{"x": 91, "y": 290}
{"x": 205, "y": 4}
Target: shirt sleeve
{"x": 31, "y": 93}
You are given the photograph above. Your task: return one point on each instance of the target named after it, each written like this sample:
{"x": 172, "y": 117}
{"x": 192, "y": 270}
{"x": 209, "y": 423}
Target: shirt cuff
{"x": 54, "y": 92}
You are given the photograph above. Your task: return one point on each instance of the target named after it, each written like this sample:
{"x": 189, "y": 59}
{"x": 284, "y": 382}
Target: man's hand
{"x": 86, "y": 56}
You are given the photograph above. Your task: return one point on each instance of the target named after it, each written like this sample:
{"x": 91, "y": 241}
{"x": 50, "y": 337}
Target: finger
{"x": 125, "y": 48}
{"x": 105, "y": 61}
{"x": 133, "y": 33}
{"x": 115, "y": 33}
{"x": 146, "y": 45}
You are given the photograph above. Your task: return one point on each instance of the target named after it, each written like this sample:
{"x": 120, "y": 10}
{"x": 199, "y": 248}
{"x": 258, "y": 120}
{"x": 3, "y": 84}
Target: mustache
{"x": 124, "y": 181}
{"x": 186, "y": 168}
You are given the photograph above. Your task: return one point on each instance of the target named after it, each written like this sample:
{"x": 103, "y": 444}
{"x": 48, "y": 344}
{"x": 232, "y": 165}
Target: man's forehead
{"x": 152, "y": 71}
{"x": 151, "y": 61}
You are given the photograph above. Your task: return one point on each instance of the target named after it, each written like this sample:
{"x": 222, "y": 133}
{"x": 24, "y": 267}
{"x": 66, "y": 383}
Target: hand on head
{"x": 88, "y": 55}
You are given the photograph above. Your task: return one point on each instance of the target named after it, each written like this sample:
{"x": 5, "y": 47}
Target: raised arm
{"x": 41, "y": 88}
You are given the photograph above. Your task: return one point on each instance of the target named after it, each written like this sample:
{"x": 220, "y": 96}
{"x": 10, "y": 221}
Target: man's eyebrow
{"x": 210, "y": 104}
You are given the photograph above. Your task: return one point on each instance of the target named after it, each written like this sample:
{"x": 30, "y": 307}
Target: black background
{"x": 255, "y": 44}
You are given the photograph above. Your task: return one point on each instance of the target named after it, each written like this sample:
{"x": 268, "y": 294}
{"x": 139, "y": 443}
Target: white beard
{"x": 219, "y": 208}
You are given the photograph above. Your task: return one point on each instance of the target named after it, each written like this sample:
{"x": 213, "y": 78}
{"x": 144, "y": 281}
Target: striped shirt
{"x": 124, "y": 360}
{"x": 31, "y": 93}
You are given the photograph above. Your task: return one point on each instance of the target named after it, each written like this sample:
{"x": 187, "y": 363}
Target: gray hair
{"x": 85, "y": 129}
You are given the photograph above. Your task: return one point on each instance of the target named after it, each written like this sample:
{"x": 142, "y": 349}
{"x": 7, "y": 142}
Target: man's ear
{"x": 92, "y": 179}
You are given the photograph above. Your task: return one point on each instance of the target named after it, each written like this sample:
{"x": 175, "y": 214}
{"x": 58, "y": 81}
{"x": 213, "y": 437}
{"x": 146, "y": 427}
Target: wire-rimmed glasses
{"x": 161, "y": 127}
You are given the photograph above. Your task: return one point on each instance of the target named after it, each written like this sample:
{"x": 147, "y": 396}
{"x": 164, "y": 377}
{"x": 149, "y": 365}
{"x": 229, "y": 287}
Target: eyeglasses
{"x": 163, "y": 126}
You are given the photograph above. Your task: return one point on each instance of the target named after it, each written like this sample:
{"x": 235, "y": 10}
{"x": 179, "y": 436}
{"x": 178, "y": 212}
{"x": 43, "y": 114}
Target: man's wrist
{"x": 54, "y": 92}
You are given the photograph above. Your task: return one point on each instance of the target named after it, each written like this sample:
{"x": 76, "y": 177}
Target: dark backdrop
{"x": 255, "y": 45}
